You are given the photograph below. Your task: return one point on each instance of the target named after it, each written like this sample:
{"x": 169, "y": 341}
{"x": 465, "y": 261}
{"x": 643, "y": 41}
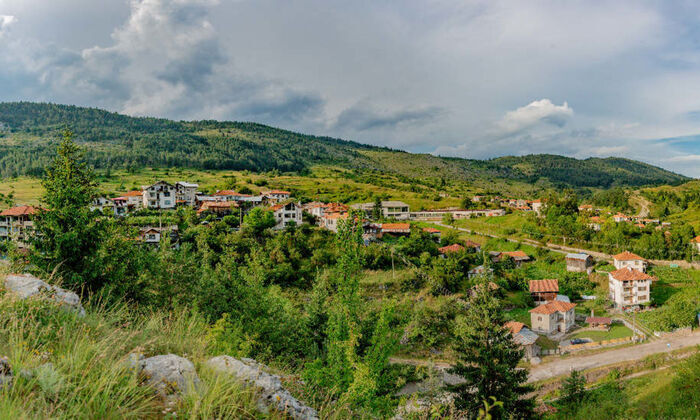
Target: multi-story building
{"x": 390, "y": 209}
{"x": 629, "y": 288}
{"x": 161, "y": 195}
{"x": 277, "y": 195}
{"x": 287, "y": 214}
{"x": 17, "y": 223}
{"x": 186, "y": 193}
{"x": 553, "y": 317}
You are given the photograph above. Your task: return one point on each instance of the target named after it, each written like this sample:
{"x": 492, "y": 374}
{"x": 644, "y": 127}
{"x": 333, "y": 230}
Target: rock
{"x": 272, "y": 393}
{"x": 421, "y": 407}
{"x": 5, "y": 372}
{"x": 26, "y": 286}
{"x": 169, "y": 374}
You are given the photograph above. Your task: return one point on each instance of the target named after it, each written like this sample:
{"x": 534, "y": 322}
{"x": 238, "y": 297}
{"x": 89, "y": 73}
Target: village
{"x": 554, "y": 324}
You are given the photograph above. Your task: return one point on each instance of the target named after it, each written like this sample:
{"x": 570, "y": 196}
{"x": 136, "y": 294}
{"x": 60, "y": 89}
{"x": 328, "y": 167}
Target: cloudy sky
{"x": 473, "y": 79}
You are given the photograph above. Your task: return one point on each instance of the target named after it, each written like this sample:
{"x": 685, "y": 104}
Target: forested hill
{"x": 29, "y": 131}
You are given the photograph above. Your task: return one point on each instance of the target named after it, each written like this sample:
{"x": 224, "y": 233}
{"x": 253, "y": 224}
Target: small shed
{"x": 579, "y": 263}
{"x": 600, "y": 322}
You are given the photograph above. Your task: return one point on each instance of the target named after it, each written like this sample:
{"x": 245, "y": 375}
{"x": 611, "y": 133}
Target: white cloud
{"x": 542, "y": 111}
{"x": 5, "y": 22}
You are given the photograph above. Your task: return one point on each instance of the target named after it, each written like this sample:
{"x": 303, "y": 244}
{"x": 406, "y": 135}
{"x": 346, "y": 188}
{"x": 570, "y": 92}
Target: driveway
{"x": 564, "y": 366}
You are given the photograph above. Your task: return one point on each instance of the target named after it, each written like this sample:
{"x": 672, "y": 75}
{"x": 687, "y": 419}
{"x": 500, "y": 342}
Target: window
{"x": 167, "y": 202}
{"x": 539, "y": 318}
{"x": 166, "y": 194}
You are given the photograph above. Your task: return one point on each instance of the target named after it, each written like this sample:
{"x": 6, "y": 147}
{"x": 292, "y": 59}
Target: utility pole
{"x": 393, "y": 273}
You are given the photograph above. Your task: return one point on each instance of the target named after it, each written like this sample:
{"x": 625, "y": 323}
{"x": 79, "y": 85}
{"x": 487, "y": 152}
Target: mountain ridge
{"x": 28, "y": 132}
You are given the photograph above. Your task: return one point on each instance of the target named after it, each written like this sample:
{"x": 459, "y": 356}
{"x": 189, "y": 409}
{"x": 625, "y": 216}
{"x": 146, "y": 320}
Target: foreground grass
{"x": 616, "y": 331}
{"x": 91, "y": 377}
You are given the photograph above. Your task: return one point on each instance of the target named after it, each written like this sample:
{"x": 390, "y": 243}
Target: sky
{"x": 473, "y": 79}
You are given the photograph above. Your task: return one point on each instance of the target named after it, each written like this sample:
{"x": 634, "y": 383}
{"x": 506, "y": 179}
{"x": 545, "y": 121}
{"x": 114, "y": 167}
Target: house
{"x": 230, "y": 195}
{"x": 472, "y": 246}
{"x": 101, "y": 204}
{"x": 219, "y": 208}
{"x": 159, "y": 196}
{"x": 599, "y": 322}
{"x": 134, "y": 199}
{"x": 390, "y": 209}
{"x": 153, "y": 235}
{"x": 619, "y": 217}
{"x": 585, "y": 208}
{"x": 544, "y": 290}
{"x": 492, "y": 287}
{"x": 17, "y": 223}
{"x": 370, "y": 232}
{"x": 553, "y": 317}
{"x": 435, "y": 233}
{"x": 120, "y": 206}
{"x": 628, "y": 259}
{"x": 451, "y": 249}
{"x": 524, "y": 337}
{"x": 331, "y": 220}
{"x": 595, "y": 223}
{"x": 186, "y": 193}
{"x": 629, "y": 288}
{"x": 479, "y": 271}
{"x": 277, "y": 195}
{"x": 579, "y": 263}
{"x": 537, "y": 206}
{"x": 696, "y": 242}
{"x": 395, "y": 229}
{"x": 519, "y": 257}
{"x": 287, "y": 214}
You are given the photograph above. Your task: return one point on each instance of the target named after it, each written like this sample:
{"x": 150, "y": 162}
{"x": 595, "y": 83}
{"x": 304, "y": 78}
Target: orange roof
{"x": 552, "y": 307}
{"x": 471, "y": 244}
{"x": 514, "y": 326}
{"x": 595, "y": 219}
{"x": 133, "y": 194}
{"x": 696, "y": 239}
{"x": 627, "y": 256}
{"x": 396, "y": 226}
{"x": 627, "y": 274}
{"x": 335, "y": 216}
{"x": 431, "y": 230}
{"x": 542, "y": 286}
{"x": 517, "y": 255}
{"x": 276, "y": 192}
{"x": 20, "y": 211}
{"x": 451, "y": 248}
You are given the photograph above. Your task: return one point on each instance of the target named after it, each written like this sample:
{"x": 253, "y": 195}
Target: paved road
{"x": 564, "y": 366}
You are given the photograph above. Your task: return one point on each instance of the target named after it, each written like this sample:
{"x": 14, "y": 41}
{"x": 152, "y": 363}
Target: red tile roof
{"x": 389, "y": 227}
{"x": 552, "y": 307}
{"x": 431, "y": 230}
{"x": 20, "y": 211}
{"x": 627, "y": 256}
{"x": 133, "y": 194}
{"x": 470, "y": 244}
{"x": 231, "y": 192}
{"x": 696, "y": 239}
{"x": 514, "y": 326}
{"x": 627, "y": 274}
{"x": 277, "y": 192}
{"x": 544, "y": 286}
{"x": 517, "y": 255}
{"x": 451, "y": 248}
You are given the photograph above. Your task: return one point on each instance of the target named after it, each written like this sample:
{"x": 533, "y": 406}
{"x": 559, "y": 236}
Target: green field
{"x": 616, "y": 331}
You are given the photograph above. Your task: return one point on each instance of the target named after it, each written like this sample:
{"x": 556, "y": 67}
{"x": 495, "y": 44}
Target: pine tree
{"x": 488, "y": 359}
{"x": 68, "y": 233}
{"x": 573, "y": 389}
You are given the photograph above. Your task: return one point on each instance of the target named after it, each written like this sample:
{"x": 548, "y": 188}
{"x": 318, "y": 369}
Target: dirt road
{"x": 564, "y": 366}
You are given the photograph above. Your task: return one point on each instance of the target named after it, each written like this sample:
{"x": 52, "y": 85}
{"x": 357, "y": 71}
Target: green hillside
{"x": 28, "y": 133}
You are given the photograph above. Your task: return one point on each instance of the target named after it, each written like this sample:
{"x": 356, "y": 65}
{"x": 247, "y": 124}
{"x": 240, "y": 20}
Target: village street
{"x": 564, "y": 366}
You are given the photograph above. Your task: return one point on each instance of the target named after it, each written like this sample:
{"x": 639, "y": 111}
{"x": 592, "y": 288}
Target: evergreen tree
{"x": 377, "y": 208}
{"x": 488, "y": 359}
{"x": 68, "y": 233}
{"x": 573, "y": 389}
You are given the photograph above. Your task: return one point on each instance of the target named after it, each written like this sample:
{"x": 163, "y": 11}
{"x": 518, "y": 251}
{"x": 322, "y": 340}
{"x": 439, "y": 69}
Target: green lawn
{"x": 616, "y": 331}
{"x": 518, "y": 314}
{"x": 546, "y": 343}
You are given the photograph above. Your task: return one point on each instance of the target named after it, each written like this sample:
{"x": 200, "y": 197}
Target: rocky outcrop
{"x": 26, "y": 286}
{"x": 170, "y": 375}
{"x": 272, "y": 393}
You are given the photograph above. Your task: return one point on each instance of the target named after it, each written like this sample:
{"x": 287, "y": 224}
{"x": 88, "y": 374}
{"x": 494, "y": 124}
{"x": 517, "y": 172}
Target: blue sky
{"x": 475, "y": 79}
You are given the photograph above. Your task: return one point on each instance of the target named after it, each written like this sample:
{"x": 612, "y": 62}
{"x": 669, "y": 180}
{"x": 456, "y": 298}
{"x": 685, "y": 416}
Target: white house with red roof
{"x": 553, "y": 317}
{"x": 287, "y": 214}
{"x": 277, "y": 195}
{"x": 629, "y": 260}
{"x": 696, "y": 242}
{"x": 160, "y": 196}
{"x": 629, "y": 288}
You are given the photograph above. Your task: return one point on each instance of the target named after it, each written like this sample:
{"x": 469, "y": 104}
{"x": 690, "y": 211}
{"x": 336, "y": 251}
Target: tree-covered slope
{"x": 28, "y": 133}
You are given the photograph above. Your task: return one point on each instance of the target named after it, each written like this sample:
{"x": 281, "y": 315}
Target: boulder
{"x": 26, "y": 286}
{"x": 272, "y": 394}
{"x": 169, "y": 374}
{"x": 5, "y": 372}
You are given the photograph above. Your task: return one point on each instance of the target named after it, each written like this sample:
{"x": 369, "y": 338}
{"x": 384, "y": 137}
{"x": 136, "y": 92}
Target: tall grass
{"x": 89, "y": 376}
